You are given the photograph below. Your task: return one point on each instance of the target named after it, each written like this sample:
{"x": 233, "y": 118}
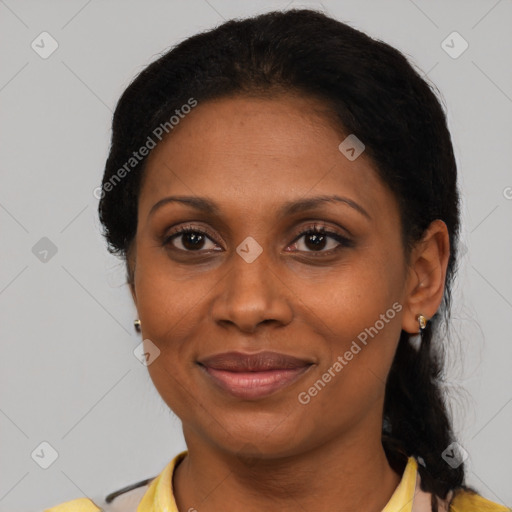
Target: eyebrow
{"x": 288, "y": 208}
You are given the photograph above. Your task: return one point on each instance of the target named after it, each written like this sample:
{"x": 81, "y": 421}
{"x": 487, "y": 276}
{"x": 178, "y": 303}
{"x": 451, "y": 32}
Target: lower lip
{"x": 252, "y": 385}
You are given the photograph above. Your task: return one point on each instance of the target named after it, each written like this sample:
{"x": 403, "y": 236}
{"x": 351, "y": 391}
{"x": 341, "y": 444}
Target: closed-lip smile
{"x": 253, "y": 376}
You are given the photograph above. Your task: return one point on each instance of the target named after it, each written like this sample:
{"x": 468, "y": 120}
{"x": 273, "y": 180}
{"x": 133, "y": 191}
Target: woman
{"x": 283, "y": 190}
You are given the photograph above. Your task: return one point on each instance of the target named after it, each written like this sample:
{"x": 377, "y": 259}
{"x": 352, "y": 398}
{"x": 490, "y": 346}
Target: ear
{"x": 130, "y": 272}
{"x": 426, "y": 276}
{"x": 132, "y": 290}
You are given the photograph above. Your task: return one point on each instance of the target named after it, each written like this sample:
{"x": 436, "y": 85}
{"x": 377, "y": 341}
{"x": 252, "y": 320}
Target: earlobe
{"x": 427, "y": 274}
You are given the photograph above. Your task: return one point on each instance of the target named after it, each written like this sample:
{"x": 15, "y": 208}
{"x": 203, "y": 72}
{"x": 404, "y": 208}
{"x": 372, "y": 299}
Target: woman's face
{"x": 252, "y": 278}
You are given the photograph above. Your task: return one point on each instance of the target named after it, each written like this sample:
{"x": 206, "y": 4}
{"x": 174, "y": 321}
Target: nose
{"x": 252, "y": 293}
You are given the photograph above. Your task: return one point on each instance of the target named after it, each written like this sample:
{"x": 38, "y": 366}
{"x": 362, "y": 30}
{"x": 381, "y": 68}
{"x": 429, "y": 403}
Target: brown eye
{"x": 318, "y": 239}
{"x": 190, "y": 239}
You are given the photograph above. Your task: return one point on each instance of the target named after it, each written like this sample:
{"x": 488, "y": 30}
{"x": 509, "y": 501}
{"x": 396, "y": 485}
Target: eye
{"x": 192, "y": 239}
{"x": 317, "y": 238}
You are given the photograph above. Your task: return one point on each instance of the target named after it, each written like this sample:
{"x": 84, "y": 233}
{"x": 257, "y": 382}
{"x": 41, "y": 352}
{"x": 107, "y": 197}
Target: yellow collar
{"x": 160, "y": 496}
{"x": 402, "y": 499}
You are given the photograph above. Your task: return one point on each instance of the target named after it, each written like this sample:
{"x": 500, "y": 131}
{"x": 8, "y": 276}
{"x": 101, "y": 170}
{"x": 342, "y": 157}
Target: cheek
{"x": 361, "y": 296}
{"x": 172, "y": 312}
{"x": 360, "y": 319}
{"x": 168, "y": 305}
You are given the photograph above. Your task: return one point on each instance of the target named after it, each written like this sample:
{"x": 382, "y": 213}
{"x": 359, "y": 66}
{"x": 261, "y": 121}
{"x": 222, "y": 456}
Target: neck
{"x": 340, "y": 475}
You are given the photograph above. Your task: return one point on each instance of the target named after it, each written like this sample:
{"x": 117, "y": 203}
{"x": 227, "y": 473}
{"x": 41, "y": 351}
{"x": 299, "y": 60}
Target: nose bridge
{"x": 251, "y": 294}
{"x": 250, "y": 271}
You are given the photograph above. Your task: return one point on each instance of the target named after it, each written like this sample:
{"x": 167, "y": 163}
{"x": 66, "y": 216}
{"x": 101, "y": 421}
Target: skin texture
{"x": 250, "y": 155}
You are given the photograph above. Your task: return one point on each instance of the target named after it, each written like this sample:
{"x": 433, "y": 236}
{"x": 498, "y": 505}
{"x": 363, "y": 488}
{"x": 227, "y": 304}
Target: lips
{"x": 252, "y": 376}
{"x": 262, "y": 361}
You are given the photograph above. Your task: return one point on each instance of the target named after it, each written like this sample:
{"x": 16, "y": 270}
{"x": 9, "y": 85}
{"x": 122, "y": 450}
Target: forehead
{"x": 248, "y": 150}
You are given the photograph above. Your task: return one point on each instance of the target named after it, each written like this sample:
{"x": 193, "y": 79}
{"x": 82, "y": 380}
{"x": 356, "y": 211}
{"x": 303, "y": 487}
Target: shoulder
{"x": 129, "y": 498}
{"x": 469, "y": 501}
{"x": 78, "y": 505}
{"x": 124, "y": 500}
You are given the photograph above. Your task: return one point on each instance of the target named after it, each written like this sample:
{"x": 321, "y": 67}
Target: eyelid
{"x": 321, "y": 227}
{"x": 316, "y": 226}
{"x": 343, "y": 241}
{"x": 186, "y": 228}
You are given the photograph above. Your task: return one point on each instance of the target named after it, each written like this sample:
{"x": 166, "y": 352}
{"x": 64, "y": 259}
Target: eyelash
{"x": 314, "y": 229}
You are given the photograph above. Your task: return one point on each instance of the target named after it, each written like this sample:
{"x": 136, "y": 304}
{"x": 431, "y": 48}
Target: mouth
{"x": 253, "y": 376}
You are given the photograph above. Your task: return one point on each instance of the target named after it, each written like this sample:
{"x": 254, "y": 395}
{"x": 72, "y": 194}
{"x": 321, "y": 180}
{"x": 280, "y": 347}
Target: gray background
{"x": 68, "y": 373}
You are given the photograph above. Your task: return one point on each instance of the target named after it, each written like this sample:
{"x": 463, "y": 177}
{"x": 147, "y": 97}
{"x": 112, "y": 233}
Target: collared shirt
{"x": 158, "y": 496}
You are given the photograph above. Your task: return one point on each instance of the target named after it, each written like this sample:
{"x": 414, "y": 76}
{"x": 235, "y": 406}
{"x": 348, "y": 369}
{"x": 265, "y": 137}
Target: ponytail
{"x": 416, "y": 421}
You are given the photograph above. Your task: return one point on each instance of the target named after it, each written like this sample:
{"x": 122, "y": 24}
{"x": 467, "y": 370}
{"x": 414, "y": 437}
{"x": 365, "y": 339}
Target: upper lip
{"x": 256, "y": 362}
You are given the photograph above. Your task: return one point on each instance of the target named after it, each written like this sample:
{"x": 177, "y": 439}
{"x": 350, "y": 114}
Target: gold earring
{"x": 422, "y": 321}
{"x": 137, "y": 324}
